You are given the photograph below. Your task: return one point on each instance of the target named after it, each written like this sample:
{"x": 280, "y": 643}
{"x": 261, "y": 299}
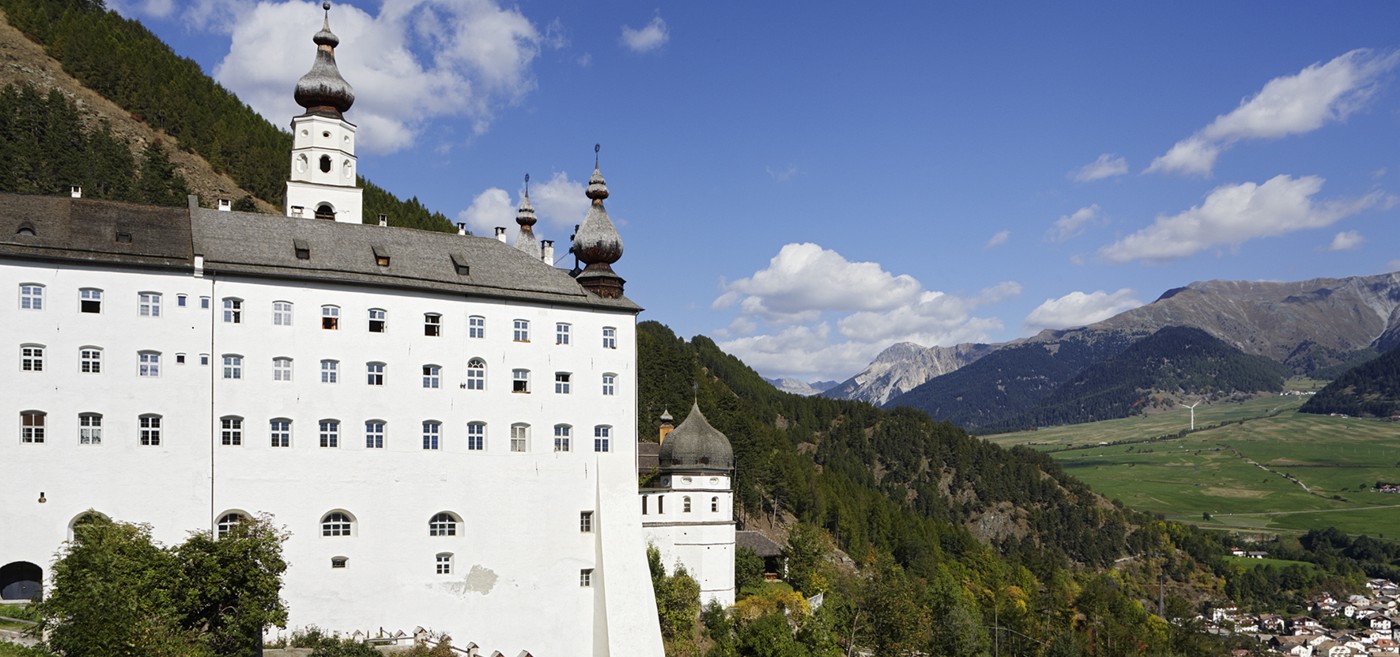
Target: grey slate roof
{"x": 760, "y": 544}
{"x": 695, "y": 445}
{"x": 249, "y": 244}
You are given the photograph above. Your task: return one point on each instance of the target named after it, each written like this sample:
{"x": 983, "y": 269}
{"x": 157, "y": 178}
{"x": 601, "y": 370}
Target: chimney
{"x": 547, "y": 246}
{"x": 383, "y": 220}
{"x": 297, "y": 210}
{"x": 501, "y": 234}
{"x": 461, "y": 229}
{"x": 225, "y": 205}
{"x": 75, "y": 191}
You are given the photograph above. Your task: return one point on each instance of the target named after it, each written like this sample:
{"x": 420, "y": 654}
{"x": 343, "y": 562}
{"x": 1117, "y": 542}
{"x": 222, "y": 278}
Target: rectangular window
{"x": 521, "y": 331}
{"x": 520, "y": 381}
{"x": 90, "y": 360}
{"x": 585, "y": 521}
{"x": 563, "y": 437}
{"x": 182, "y": 300}
{"x": 281, "y": 369}
{"x": 375, "y": 372}
{"x": 431, "y": 432}
{"x": 31, "y": 358}
{"x": 281, "y": 433}
{"x": 432, "y": 376}
{"x": 31, "y": 297}
{"x": 204, "y": 359}
{"x": 602, "y": 436}
{"x": 609, "y": 337}
{"x": 231, "y": 430}
{"x": 519, "y": 437}
{"x": 378, "y": 320}
{"x": 476, "y": 327}
{"x": 330, "y": 318}
{"x": 374, "y": 434}
{"x": 330, "y": 371}
{"x": 233, "y": 367}
{"x": 476, "y": 437}
{"x": 90, "y": 300}
{"x": 281, "y": 313}
{"x": 609, "y": 385}
{"x": 561, "y": 383}
{"x": 444, "y": 564}
{"x": 150, "y": 363}
{"x": 432, "y": 325}
{"x": 585, "y": 577}
{"x": 204, "y": 303}
{"x": 561, "y": 333}
{"x": 31, "y": 426}
{"x": 90, "y": 429}
{"x": 150, "y": 430}
{"x": 233, "y": 311}
{"x": 179, "y": 359}
{"x": 148, "y": 304}
{"x": 330, "y": 433}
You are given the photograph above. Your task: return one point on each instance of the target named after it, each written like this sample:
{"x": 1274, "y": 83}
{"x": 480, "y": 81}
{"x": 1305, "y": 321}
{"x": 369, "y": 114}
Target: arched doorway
{"x": 21, "y": 580}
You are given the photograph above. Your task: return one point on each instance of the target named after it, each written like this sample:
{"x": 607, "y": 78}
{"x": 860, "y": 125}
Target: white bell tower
{"x": 322, "y": 182}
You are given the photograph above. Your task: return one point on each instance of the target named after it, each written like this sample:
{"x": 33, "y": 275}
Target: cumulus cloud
{"x": 1073, "y": 224}
{"x": 1107, "y": 166}
{"x": 488, "y": 210}
{"x": 559, "y": 204}
{"x": 1346, "y": 241}
{"x": 828, "y": 317}
{"x": 998, "y": 239}
{"x": 647, "y": 38}
{"x": 1080, "y": 309}
{"x": 1234, "y": 214}
{"x": 414, "y": 61}
{"x": 1287, "y": 105}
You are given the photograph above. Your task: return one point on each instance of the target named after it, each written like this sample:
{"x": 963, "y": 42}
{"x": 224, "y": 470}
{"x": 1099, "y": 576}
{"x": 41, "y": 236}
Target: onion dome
{"x": 666, "y": 417}
{"x": 322, "y": 90}
{"x": 525, "y": 216}
{"x": 695, "y": 445}
{"x": 597, "y": 242}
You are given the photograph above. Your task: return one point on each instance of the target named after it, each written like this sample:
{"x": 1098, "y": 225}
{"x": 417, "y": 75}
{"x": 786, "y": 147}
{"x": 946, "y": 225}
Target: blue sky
{"x": 810, "y": 182}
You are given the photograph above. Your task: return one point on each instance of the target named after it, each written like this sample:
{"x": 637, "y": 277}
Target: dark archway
{"x": 21, "y": 580}
{"x": 325, "y": 211}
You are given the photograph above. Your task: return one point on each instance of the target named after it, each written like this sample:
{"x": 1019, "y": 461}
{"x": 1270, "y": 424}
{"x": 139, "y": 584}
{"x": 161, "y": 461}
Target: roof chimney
{"x": 383, "y": 220}
{"x": 547, "y": 249}
{"x": 297, "y": 210}
{"x": 501, "y": 234}
{"x": 75, "y": 191}
{"x": 225, "y": 205}
{"x": 461, "y": 229}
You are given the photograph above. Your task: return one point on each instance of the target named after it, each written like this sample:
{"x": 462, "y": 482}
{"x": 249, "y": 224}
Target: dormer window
{"x": 381, "y": 255}
{"x": 26, "y": 229}
{"x": 303, "y": 250}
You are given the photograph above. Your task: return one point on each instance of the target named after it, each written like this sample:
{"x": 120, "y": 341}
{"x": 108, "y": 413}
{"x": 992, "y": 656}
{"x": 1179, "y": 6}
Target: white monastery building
{"x": 445, "y": 423}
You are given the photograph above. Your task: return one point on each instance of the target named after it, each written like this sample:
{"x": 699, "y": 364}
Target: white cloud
{"x": 1107, "y": 166}
{"x": 998, "y": 239}
{"x": 829, "y": 317}
{"x": 1073, "y": 224}
{"x": 1080, "y": 309}
{"x": 488, "y": 210}
{"x": 559, "y": 205}
{"x": 1346, "y": 241}
{"x": 1287, "y": 105}
{"x": 783, "y": 174}
{"x": 647, "y": 38}
{"x": 1234, "y": 214}
{"x": 414, "y": 61}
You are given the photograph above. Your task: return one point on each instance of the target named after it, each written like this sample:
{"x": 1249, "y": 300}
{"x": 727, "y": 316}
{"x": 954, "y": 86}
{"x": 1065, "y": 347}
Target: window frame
{"x": 476, "y": 436}
{"x": 476, "y": 327}
{"x": 432, "y": 435}
{"x": 432, "y": 325}
{"x": 609, "y": 384}
{"x": 374, "y": 373}
{"x": 519, "y": 330}
{"x": 330, "y": 317}
{"x": 563, "y": 383}
{"x": 282, "y": 313}
{"x": 328, "y": 433}
{"x": 233, "y": 310}
{"x": 31, "y": 357}
{"x": 476, "y": 374}
{"x": 375, "y": 432}
{"x": 89, "y": 428}
{"x": 89, "y": 359}
{"x": 563, "y": 437}
{"x": 233, "y": 367}
{"x": 330, "y": 370}
{"x": 228, "y": 522}
{"x": 90, "y": 300}
{"x": 148, "y": 364}
{"x": 280, "y": 432}
{"x": 378, "y": 320}
{"x": 562, "y": 333}
{"x": 33, "y": 425}
{"x": 432, "y": 376}
{"x": 519, "y": 437}
{"x": 148, "y": 304}
{"x": 520, "y": 381}
{"x": 337, "y": 524}
{"x": 609, "y": 337}
{"x": 443, "y": 563}
{"x": 148, "y": 429}
{"x": 282, "y": 368}
{"x": 443, "y": 523}
{"x": 31, "y": 296}
{"x": 602, "y": 438}
{"x": 585, "y": 522}
{"x": 231, "y": 430}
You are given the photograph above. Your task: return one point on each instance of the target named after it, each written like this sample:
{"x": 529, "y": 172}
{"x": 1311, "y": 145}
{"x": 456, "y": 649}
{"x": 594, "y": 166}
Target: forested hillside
{"x": 1158, "y": 370}
{"x": 124, "y": 62}
{"x": 1371, "y": 389}
{"x": 948, "y": 526}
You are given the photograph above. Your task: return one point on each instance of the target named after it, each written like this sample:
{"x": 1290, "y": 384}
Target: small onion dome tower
{"x": 667, "y": 425}
{"x": 597, "y": 243}
{"x": 697, "y": 447}
{"x": 525, "y": 216}
{"x": 323, "y": 184}
{"x": 322, "y": 90}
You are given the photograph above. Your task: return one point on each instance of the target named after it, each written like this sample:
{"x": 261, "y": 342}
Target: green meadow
{"x": 1256, "y": 465}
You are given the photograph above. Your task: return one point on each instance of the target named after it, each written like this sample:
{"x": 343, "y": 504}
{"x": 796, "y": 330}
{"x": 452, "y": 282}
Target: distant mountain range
{"x": 804, "y": 388}
{"x": 1317, "y": 327}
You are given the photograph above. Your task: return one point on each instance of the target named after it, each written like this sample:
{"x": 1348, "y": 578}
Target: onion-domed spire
{"x": 695, "y": 445}
{"x": 322, "y": 90}
{"x": 597, "y": 242}
{"x": 525, "y": 216}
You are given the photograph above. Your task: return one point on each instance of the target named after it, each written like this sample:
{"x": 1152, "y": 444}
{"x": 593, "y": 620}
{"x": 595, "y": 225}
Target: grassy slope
{"x": 1210, "y": 471}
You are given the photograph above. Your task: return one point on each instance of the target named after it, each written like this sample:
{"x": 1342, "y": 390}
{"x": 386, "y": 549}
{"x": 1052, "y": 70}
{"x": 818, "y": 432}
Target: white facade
{"x": 323, "y": 170}
{"x": 690, "y": 520}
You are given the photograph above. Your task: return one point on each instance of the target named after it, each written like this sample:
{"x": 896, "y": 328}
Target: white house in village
{"x": 445, "y": 423}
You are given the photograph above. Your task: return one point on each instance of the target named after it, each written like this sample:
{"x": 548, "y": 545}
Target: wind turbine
{"x": 1193, "y": 413}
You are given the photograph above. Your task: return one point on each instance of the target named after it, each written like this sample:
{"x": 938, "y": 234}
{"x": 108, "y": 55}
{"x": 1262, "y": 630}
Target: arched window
{"x": 325, "y": 167}
{"x": 519, "y": 437}
{"x": 685, "y": 504}
{"x": 31, "y": 358}
{"x": 89, "y": 428}
{"x": 85, "y": 518}
{"x": 229, "y": 521}
{"x": 476, "y": 436}
{"x": 443, "y": 524}
{"x": 324, "y": 210}
{"x": 339, "y": 562}
{"x": 476, "y": 374}
{"x": 337, "y": 523}
{"x": 31, "y": 426}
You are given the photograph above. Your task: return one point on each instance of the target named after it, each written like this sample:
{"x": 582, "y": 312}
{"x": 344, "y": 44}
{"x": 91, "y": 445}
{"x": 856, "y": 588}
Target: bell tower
{"x": 322, "y": 183}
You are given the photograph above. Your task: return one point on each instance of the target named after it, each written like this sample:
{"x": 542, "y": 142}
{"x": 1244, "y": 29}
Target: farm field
{"x": 1257, "y": 465}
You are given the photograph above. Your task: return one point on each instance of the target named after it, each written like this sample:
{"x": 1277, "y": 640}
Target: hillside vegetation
{"x": 1371, "y": 389}
{"x": 121, "y": 60}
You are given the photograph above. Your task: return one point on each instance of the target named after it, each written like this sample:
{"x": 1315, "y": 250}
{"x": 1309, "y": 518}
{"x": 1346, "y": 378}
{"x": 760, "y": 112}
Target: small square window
{"x": 90, "y": 300}
{"x": 330, "y": 318}
{"x": 179, "y": 359}
{"x": 150, "y": 363}
{"x": 339, "y": 562}
{"x": 432, "y": 376}
{"x": 520, "y": 381}
{"x": 432, "y": 325}
{"x": 204, "y": 359}
{"x": 444, "y": 564}
{"x": 378, "y": 320}
{"x": 233, "y": 311}
{"x": 585, "y": 521}
{"x": 204, "y": 303}
{"x": 561, "y": 382}
{"x": 31, "y": 296}
{"x": 148, "y": 304}
{"x": 375, "y": 372}
{"x": 182, "y": 300}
